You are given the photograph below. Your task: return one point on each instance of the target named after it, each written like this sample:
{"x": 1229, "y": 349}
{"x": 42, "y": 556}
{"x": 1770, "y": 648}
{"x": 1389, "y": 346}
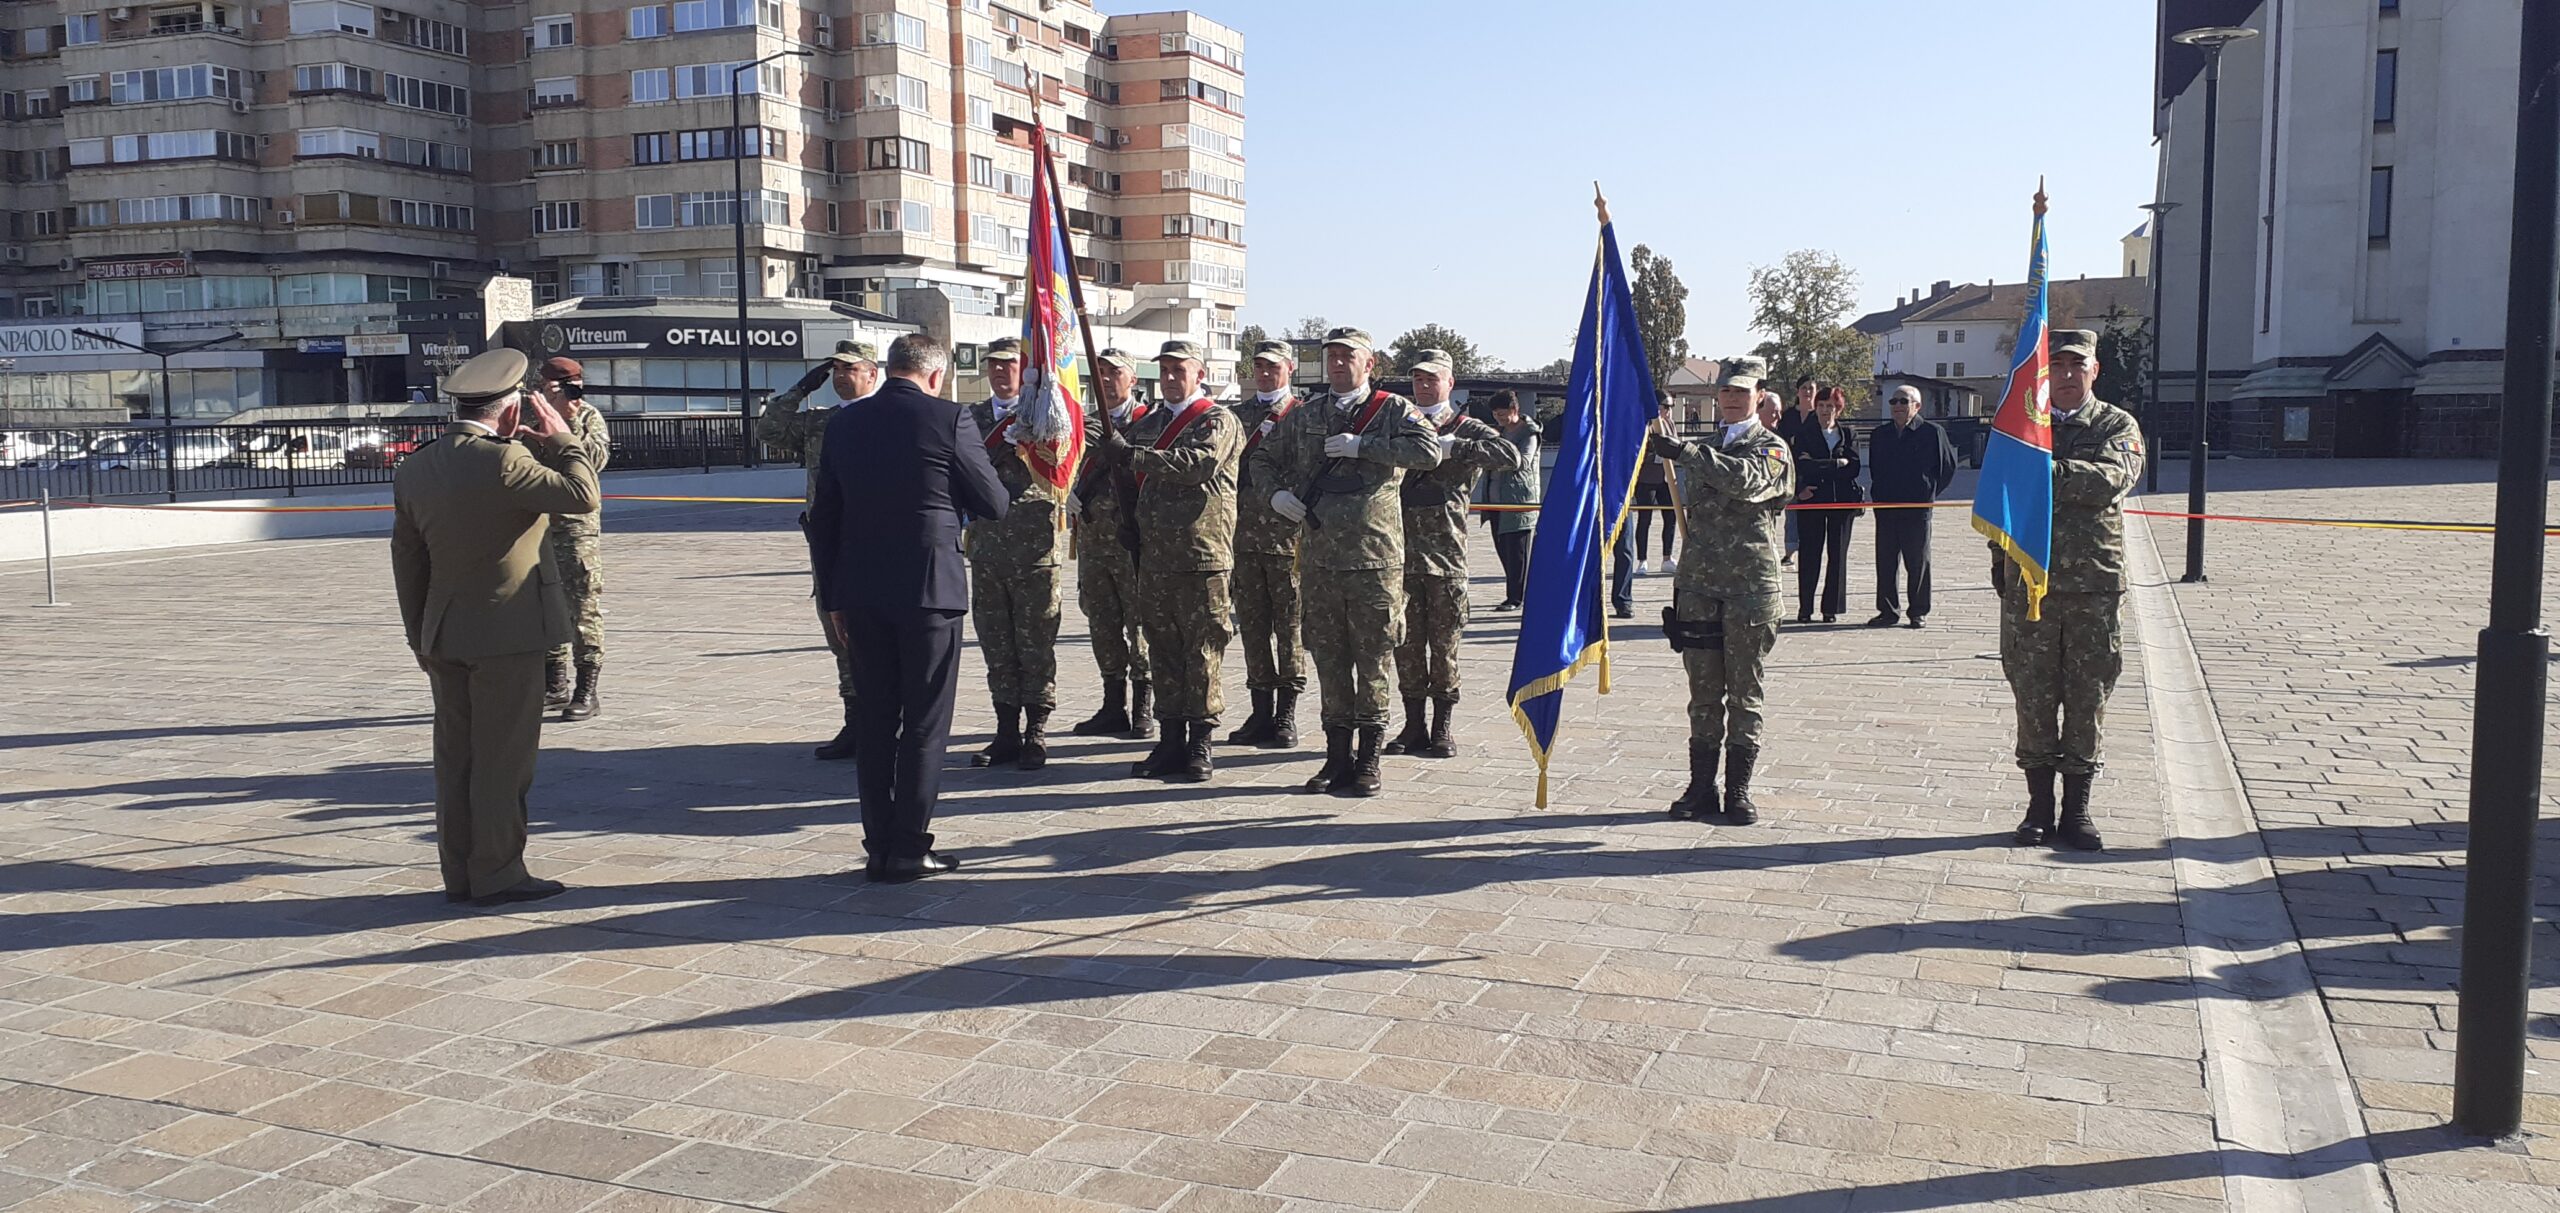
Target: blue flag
{"x": 2013, "y": 500}
{"x": 1609, "y": 405}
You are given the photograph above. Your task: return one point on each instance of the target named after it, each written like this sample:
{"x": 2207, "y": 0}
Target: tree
{"x": 1799, "y": 304}
{"x": 1410, "y": 345}
{"x": 1662, "y": 314}
{"x": 1559, "y": 371}
{"x": 1311, "y": 328}
{"x": 1252, "y": 336}
{"x": 2124, "y": 360}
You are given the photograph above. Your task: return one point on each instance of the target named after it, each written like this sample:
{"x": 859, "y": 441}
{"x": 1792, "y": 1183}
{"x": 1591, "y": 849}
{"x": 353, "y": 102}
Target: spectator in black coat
{"x": 1826, "y": 474}
{"x": 1909, "y": 460}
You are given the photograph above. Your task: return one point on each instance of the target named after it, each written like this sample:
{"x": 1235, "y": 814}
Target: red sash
{"x": 1181, "y": 422}
{"x": 1377, "y": 400}
{"x": 995, "y": 436}
{"x": 1287, "y": 405}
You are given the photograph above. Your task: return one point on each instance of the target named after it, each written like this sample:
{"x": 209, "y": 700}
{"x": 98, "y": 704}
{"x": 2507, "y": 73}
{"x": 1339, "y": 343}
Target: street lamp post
{"x": 168, "y": 410}
{"x": 2209, "y": 39}
{"x": 2151, "y": 395}
{"x": 738, "y": 213}
{"x": 2515, "y": 651}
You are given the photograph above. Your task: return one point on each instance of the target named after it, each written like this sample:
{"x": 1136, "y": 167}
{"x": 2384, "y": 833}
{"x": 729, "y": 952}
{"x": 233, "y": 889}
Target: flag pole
{"x": 1599, "y": 393}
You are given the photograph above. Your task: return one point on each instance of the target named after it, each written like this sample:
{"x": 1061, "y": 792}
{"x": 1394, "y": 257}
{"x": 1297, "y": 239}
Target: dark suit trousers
{"x": 488, "y": 729}
{"x": 1622, "y": 570}
{"x": 1902, "y": 546}
{"x": 906, "y": 670}
{"x": 1513, "y": 548}
{"x": 1824, "y": 557}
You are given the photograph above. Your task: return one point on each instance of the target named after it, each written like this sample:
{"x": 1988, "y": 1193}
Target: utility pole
{"x": 2211, "y": 40}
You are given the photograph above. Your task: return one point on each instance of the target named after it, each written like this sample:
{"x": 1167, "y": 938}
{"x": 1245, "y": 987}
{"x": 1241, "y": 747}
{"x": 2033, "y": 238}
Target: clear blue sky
{"x": 1411, "y": 161}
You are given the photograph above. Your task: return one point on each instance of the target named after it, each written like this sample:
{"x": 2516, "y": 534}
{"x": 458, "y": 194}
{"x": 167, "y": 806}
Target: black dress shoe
{"x": 1828, "y": 617}
{"x": 1804, "y": 617}
{"x": 1625, "y": 612}
{"x": 1914, "y": 622}
{"x": 917, "y": 867}
{"x": 529, "y": 889}
{"x": 1884, "y": 619}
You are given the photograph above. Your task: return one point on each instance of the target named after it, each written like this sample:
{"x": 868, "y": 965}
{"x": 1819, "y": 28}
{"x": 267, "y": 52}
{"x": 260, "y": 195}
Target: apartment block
{"x": 337, "y": 182}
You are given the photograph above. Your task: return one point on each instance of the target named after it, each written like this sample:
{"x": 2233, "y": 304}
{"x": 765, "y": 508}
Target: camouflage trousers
{"x": 1186, "y": 616}
{"x": 1266, "y": 594}
{"x": 1107, "y": 591}
{"x": 1016, "y": 613}
{"x": 844, "y": 657}
{"x": 1725, "y": 690}
{"x": 1435, "y": 622}
{"x": 2061, "y": 669}
{"x": 1353, "y": 619}
{"x": 579, "y": 551}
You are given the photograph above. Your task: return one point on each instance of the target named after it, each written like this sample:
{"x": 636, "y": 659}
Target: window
{"x": 48, "y": 223}
{"x": 551, "y": 33}
{"x": 1181, "y": 134}
{"x": 89, "y": 214}
{"x": 80, "y": 90}
{"x": 1182, "y": 225}
{"x": 424, "y": 33}
{"x": 658, "y": 277}
{"x": 189, "y": 208}
{"x": 882, "y": 28}
{"x": 562, "y": 154}
{"x": 2386, "y": 85}
{"x": 1093, "y": 178}
{"x": 1959, "y": 336}
{"x": 338, "y": 141}
{"x": 712, "y": 79}
{"x": 889, "y": 151}
{"x": 831, "y": 218}
{"x": 1177, "y": 89}
{"x": 905, "y": 92}
{"x": 2377, "y": 222}
{"x": 717, "y": 208}
{"x": 649, "y": 21}
{"x": 1942, "y": 370}
{"x": 723, "y": 14}
{"x": 1201, "y": 48}
{"x": 1206, "y": 273}
{"x": 894, "y": 216}
{"x": 981, "y": 114}
{"x": 1959, "y": 370}
{"x": 89, "y": 151}
{"x": 36, "y": 40}
{"x": 39, "y": 103}
{"x": 1207, "y": 183}
{"x": 555, "y": 90}
{"x": 586, "y": 280}
{"x": 413, "y": 93}
{"x": 437, "y": 215}
{"x": 648, "y": 84}
{"x": 556, "y": 217}
{"x": 715, "y": 143}
{"x": 420, "y": 153}
{"x": 335, "y": 78}
{"x": 1012, "y": 74}
{"x": 654, "y": 210}
{"x": 978, "y": 55}
{"x": 1942, "y": 336}
{"x": 332, "y": 17}
{"x": 650, "y": 148}
{"x": 720, "y": 275}
{"x": 81, "y": 29}
{"x": 173, "y": 84}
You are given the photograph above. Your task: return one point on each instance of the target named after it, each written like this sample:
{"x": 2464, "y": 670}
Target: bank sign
{"x": 60, "y": 341}
{"x": 654, "y": 337}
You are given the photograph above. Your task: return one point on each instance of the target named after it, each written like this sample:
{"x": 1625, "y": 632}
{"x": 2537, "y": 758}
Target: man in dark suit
{"x": 895, "y": 479}
{"x": 1909, "y": 460}
{"x": 481, "y": 601}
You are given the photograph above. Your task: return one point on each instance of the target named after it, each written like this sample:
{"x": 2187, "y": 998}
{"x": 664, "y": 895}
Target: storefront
{"x": 663, "y": 358}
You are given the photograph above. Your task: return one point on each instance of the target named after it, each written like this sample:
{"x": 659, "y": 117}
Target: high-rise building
{"x": 336, "y": 181}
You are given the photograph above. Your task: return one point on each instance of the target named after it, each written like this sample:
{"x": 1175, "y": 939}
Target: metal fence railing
{"x": 89, "y": 463}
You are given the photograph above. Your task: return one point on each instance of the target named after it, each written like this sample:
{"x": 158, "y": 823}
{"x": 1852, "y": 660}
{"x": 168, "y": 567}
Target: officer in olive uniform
{"x": 791, "y": 424}
{"x": 1106, "y": 570}
{"x": 2063, "y": 664}
{"x": 1337, "y": 464}
{"x": 1183, "y": 454}
{"x": 1266, "y": 577}
{"x": 1013, "y": 582}
{"x": 577, "y": 541}
{"x": 1725, "y": 595}
{"x": 1435, "y": 556}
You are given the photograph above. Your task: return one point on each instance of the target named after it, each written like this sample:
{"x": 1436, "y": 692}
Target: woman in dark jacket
{"x": 1826, "y": 474}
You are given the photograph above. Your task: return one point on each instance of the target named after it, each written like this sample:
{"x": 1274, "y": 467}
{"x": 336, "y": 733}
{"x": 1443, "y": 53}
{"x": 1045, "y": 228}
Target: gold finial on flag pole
{"x": 1601, "y": 201}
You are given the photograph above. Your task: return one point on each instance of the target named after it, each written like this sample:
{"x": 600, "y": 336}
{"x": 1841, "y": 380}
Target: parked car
{"x": 41, "y": 448}
{"x": 140, "y": 452}
{"x": 279, "y": 450}
{"x": 384, "y": 448}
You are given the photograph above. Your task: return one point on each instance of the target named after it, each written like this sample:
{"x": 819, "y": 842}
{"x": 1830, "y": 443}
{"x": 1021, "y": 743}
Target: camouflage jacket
{"x": 1029, "y": 536}
{"x": 1186, "y": 491}
{"x": 2097, "y": 454}
{"x": 1735, "y": 508}
{"x": 587, "y": 429}
{"x": 1435, "y": 502}
{"x": 1362, "y": 516}
{"x": 1260, "y": 529}
{"x": 1098, "y": 528}
{"x": 783, "y": 425}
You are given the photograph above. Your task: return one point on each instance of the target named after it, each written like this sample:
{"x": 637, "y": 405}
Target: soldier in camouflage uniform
{"x": 1726, "y": 597}
{"x": 1106, "y": 570}
{"x": 1266, "y": 577}
{"x": 1184, "y": 456}
{"x": 1435, "y": 557}
{"x": 2063, "y": 665}
{"x": 1013, "y": 581}
{"x": 790, "y": 424}
{"x": 577, "y": 545}
{"x": 1338, "y": 465}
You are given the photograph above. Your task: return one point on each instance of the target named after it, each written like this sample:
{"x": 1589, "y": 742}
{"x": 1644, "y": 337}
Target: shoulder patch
{"x": 1413, "y": 413}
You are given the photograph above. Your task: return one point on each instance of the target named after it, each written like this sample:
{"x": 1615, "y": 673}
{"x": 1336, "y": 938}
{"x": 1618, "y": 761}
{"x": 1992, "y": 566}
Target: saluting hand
{"x": 538, "y": 418}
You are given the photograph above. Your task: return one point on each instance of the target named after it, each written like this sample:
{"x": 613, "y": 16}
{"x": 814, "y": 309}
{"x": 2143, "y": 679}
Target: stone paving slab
{"x": 226, "y": 979}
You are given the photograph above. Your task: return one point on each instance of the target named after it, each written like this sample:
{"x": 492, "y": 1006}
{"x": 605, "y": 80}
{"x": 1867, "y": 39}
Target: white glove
{"x": 1448, "y": 445}
{"x": 1342, "y": 446}
{"x": 1286, "y": 504}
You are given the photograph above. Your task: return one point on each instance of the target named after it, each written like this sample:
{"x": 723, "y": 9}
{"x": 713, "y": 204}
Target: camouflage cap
{"x": 1435, "y": 360}
{"x": 1274, "y": 351}
{"x": 1178, "y": 348}
{"x": 1002, "y": 349}
{"x": 1357, "y": 339}
{"x": 1744, "y": 373}
{"x": 488, "y": 376}
{"x": 855, "y": 353}
{"x": 2083, "y": 342}
{"x": 1118, "y": 357}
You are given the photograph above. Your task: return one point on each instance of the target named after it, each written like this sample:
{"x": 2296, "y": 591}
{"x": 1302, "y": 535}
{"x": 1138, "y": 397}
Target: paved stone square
{"x": 228, "y": 981}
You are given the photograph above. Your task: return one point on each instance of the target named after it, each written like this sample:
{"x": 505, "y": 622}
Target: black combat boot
{"x": 1416, "y": 734}
{"x": 1113, "y": 719}
{"x": 2076, "y": 832}
{"x": 1257, "y": 726}
{"x": 1443, "y": 743}
{"x": 1337, "y": 760}
{"x": 843, "y": 745}
{"x": 1363, "y": 779}
{"x": 1035, "y": 740}
{"x": 555, "y": 683}
{"x": 1164, "y": 758}
{"x": 1192, "y": 763}
{"x": 1738, "y": 808}
{"x": 1142, "y": 710}
{"x": 2037, "y": 829}
{"x": 1698, "y": 800}
{"x": 1008, "y": 743}
{"x": 1284, "y": 721}
{"x": 587, "y": 699}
